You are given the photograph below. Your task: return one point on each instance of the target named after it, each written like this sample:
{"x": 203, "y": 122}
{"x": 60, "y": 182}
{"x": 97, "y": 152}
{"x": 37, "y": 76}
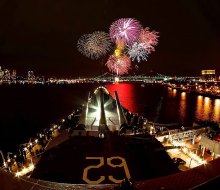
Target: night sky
{"x": 41, "y": 35}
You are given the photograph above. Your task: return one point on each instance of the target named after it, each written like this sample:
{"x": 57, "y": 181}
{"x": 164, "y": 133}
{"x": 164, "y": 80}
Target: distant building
{"x": 14, "y": 75}
{"x": 7, "y": 75}
{"x": 31, "y": 76}
{"x": 1, "y": 73}
{"x": 208, "y": 75}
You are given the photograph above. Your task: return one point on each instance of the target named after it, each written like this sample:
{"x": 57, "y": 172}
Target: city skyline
{"x": 42, "y": 36}
{"x": 12, "y": 75}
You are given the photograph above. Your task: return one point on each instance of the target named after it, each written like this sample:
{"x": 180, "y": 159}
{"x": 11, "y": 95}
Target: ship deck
{"x": 143, "y": 156}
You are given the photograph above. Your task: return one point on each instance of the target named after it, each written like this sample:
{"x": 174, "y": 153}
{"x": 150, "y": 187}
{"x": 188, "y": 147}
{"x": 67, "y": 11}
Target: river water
{"x": 27, "y": 109}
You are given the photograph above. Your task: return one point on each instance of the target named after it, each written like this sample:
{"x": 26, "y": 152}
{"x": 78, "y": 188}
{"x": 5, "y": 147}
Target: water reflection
{"x": 182, "y": 109}
{"x": 126, "y": 93}
{"x": 199, "y": 107}
{"x": 207, "y": 108}
{"x": 174, "y": 92}
{"x": 170, "y": 91}
{"x": 176, "y": 105}
{"x": 183, "y": 95}
{"x": 216, "y": 114}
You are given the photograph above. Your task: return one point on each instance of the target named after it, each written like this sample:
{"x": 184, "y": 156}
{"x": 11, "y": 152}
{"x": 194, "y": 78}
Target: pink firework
{"x": 149, "y": 39}
{"x": 126, "y": 29}
{"x": 119, "y": 64}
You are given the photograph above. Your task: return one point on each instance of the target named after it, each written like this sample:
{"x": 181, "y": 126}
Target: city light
{"x": 117, "y": 79}
{"x": 25, "y": 170}
{"x": 194, "y": 84}
{"x": 207, "y": 93}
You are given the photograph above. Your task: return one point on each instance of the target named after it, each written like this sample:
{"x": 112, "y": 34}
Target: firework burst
{"x": 119, "y": 64}
{"x": 131, "y": 42}
{"x": 149, "y": 39}
{"x": 120, "y": 44}
{"x": 140, "y": 49}
{"x": 137, "y": 51}
{"x": 126, "y": 29}
{"x": 94, "y": 45}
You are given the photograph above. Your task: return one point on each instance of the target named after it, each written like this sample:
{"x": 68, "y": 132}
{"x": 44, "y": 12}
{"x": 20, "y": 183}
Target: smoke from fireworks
{"x": 94, "y": 45}
{"x": 119, "y": 64}
{"x": 126, "y": 29}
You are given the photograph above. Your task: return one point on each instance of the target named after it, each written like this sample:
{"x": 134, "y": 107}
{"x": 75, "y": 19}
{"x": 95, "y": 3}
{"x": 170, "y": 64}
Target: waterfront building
{"x": 208, "y": 75}
{"x": 14, "y": 75}
{"x": 1, "y": 73}
{"x": 30, "y": 76}
{"x": 7, "y": 75}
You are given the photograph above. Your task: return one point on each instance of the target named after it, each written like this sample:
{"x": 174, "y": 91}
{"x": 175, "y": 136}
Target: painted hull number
{"x": 110, "y": 162}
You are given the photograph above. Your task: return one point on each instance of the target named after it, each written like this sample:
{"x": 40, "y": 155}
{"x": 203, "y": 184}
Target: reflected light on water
{"x": 207, "y": 107}
{"x": 207, "y": 99}
{"x": 182, "y": 109}
{"x": 174, "y": 92}
{"x": 170, "y": 91}
{"x": 199, "y": 107}
{"x": 217, "y": 103}
{"x": 216, "y": 113}
{"x": 183, "y": 96}
{"x": 126, "y": 93}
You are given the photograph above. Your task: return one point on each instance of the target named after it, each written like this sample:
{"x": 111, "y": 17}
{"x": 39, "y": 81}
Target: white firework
{"x": 137, "y": 51}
